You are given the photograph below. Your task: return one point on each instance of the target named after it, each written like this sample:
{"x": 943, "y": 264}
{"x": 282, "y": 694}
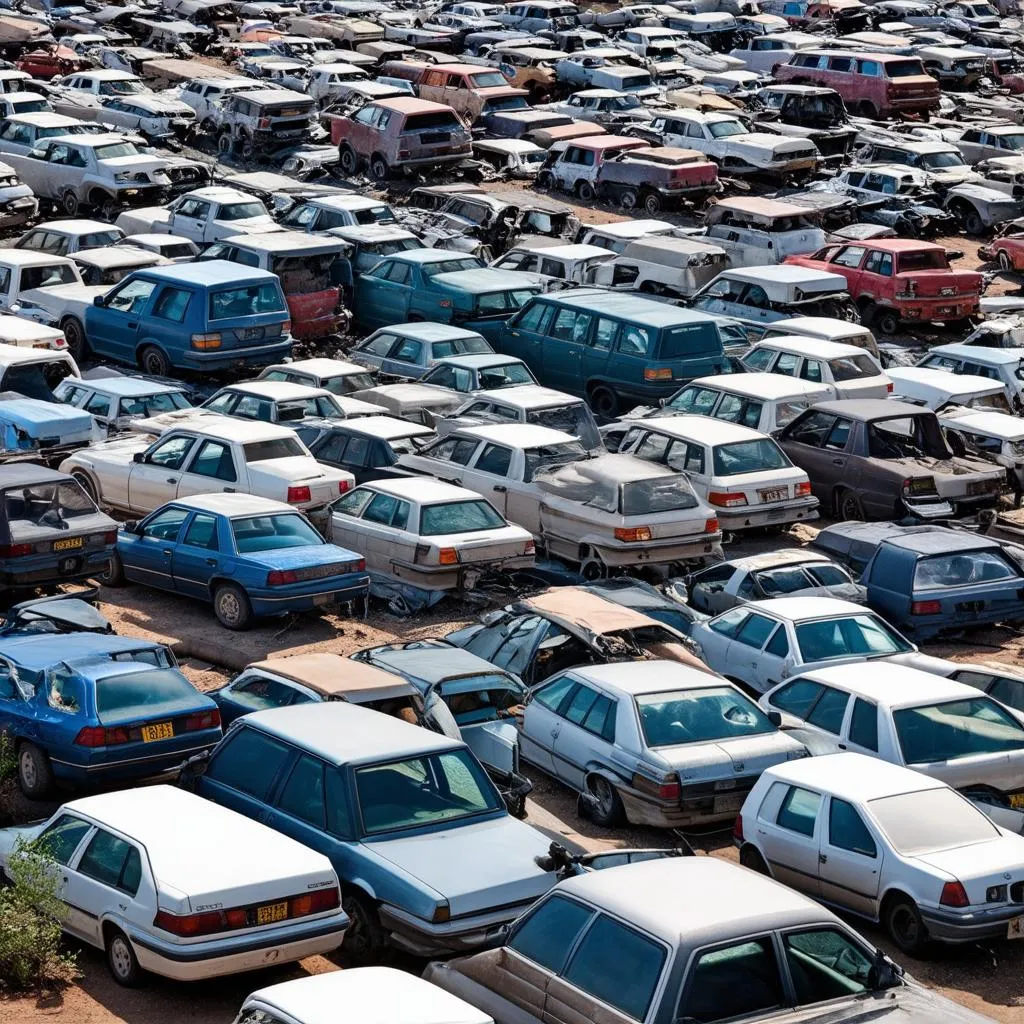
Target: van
{"x": 467, "y": 88}
{"x": 661, "y": 265}
{"x": 611, "y": 347}
{"x": 872, "y": 85}
{"x": 202, "y": 317}
{"x": 756, "y": 232}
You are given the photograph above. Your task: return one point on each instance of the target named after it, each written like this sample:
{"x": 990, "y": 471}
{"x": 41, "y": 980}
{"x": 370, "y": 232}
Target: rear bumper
{"x": 32, "y": 572}
{"x": 106, "y": 768}
{"x": 953, "y": 307}
{"x": 258, "y": 355}
{"x": 971, "y": 924}
{"x": 454, "y": 577}
{"x": 243, "y": 953}
{"x": 461, "y": 935}
{"x": 748, "y": 517}
{"x": 313, "y": 595}
{"x": 912, "y": 103}
{"x": 654, "y": 552}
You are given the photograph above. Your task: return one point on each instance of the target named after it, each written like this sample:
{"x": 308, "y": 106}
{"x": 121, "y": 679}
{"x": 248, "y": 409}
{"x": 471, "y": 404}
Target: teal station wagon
{"x": 613, "y": 348}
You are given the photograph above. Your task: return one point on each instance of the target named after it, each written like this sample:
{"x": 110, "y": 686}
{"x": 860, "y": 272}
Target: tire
{"x": 1005, "y": 261}
{"x": 902, "y": 920}
{"x": 35, "y": 773}
{"x": 379, "y": 168}
{"x": 347, "y": 159}
{"x": 750, "y": 857}
{"x": 365, "y": 941}
{"x": 607, "y": 811}
{"x": 87, "y": 485}
{"x": 114, "y": 576}
{"x": 545, "y": 180}
{"x": 121, "y": 960}
{"x": 867, "y": 109}
{"x": 70, "y": 203}
{"x": 225, "y": 144}
{"x": 604, "y": 402}
{"x": 886, "y": 321}
{"x": 154, "y": 362}
{"x": 973, "y": 224}
{"x": 652, "y": 204}
{"x": 629, "y": 198}
{"x": 231, "y": 606}
{"x": 74, "y": 334}
{"x": 849, "y": 508}
{"x": 585, "y": 192}
{"x": 592, "y": 569}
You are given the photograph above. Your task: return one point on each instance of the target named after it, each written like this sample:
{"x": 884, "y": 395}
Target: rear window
{"x": 458, "y": 517}
{"x": 461, "y": 347}
{"x": 47, "y": 504}
{"x": 659, "y": 494}
{"x": 852, "y": 368}
{"x": 748, "y": 457}
{"x": 929, "y": 259}
{"x": 903, "y": 68}
{"x": 138, "y": 692}
{"x": 272, "y": 533}
{"x": 691, "y": 340}
{"x": 277, "y": 448}
{"x": 249, "y": 300}
{"x": 452, "y": 266}
{"x": 241, "y": 211}
{"x": 115, "y": 150}
{"x": 442, "y": 120}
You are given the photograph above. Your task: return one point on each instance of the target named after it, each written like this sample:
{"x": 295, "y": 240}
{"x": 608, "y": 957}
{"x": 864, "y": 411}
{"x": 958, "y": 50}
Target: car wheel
{"x": 750, "y": 857}
{"x": 545, "y": 180}
{"x": 903, "y": 922}
{"x": 606, "y": 808}
{"x": 74, "y": 335}
{"x": 585, "y": 191}
{"x": 365, "y": 939}
{"x": 604, "y": 402}
{"x": 849, "y": 507}
{"x": 887, "y": 321}
{"x": 629, "y": 198}
{"x": 114, "y": 574}
{"x": 225, "y": 144}
{"x": 973, "y": 224}
{"x": 1004, "y": 260}
{"x": 593, "y": 569}
{"x": 154, "y": 362}
{"x": 867, "y": 109}
{"x": 652, "y": 204}
{"x": 121, "y": 959}
{"x": 69, "y": 203}
{"x": 379, "y": 168}
{"x": 231, "y": 606}
{"x": 35, "y": 773}
{"x": 87, "y": 485}
{"x": 347, "y": 159}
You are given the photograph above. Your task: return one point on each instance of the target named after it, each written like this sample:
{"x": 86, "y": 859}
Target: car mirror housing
{"x": 139, "y": 457}
{"x": 775, "y": 718}
{"x": 98, "y": 301}
{"x": 130, "y": 526}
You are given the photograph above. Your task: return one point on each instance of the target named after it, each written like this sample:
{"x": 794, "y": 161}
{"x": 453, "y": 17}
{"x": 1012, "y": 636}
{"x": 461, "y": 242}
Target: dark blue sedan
{"x": 247, "y": 555}
{"x": 87, "y": 708}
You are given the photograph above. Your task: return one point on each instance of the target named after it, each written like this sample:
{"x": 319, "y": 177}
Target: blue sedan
{"x": 249, "y": 556}
{"x": 91, "y": 708}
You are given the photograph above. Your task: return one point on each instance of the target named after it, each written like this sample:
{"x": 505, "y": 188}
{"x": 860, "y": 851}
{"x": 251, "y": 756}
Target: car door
{"x": 787, "y": 828}
{"x": 113, "y": 326}
{"x": 154, "y": 480}
{"x": 489, "y": 475}
{"x": 148, "y": 554}
{"x": 804, "y": 442}
{"x": 210, "y": 468}
{"x": 104, "y": 879}
{"x": 190, "y": 219}
{"x": 385, "y": 539}
{"x": 850, "y": 859}
{"x": 196, "y": 559}
{"x": 542, "y": 722}
{"x": 564, "y": 346}
{"x": 586, "y": 735}
{"x": 751, "y": 658}
{"x": 406, "y": 357}
{"x": 61, "y": 840}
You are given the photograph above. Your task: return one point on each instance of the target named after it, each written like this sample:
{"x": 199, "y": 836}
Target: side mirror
{"x": 139, "y": 457}
{"x": 662, "y": 402}
{"x": 99, "y": 301}
{"x": 775, "y": 718}
{"x": 130, "y": 526}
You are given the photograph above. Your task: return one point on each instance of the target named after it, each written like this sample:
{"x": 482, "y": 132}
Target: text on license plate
{"x": 774, "y": 494}
{"x": 69, "y": 544}
{"x": 272, "y": 913}
{"x": 1015, "y": 928}
{"x": 160, "y": 731}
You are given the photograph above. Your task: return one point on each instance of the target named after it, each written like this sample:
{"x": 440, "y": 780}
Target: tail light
{"x": 954, "y": 895}
{"x": 97, "y": 736}
{"x": 888, "y": 387}
{"x": 530, "y": 549}
{"x": 925, "y": 607}
{"x": 657, "y": 373}
{"x": 204, "y": 720}
{"x": 664, "y": 789}
{"x": 15, "y": 550}
{"x": 711, "y": 526}
{"x": 297, "y": 495}
{"x": 359, "y": 565}
{"x": 737, "y": 828}
{"x": 447, "y": 556}
{"x": 281, "y": 577}
{"x": 60, "y": 342}
{"x": 206, "y": 341}
{"x": 263, "y": 122}
{"x": 286, "y": 327}
{"x": 633, "y": 534}
{"x": 313, "y": 902}
{"x": 110, "y": 537}
{"x": 803, "y": 490}
{"x": 343, "y": 486}
{"x": 727, "y": 499}
{"x": 442, "y": 913}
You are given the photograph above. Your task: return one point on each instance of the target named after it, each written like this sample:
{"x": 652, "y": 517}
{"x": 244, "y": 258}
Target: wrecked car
{"x": 661, "y": 265}
{"x": 806, "y": 112}
{"x": 755, "y": 232}
{"x": 261, "y": 121}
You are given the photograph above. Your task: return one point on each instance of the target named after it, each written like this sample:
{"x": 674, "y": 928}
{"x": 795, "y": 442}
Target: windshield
{"x": 44, "y": 504}
{"x": 659, "y": 494}
{"x": 115, "y": 150}
{"x": 452, "y": 265}
{"x": 488, "y": 80}
{"x": 698, "y": 716}
{"x": 177, "y": 250}
{"x": 126, "y": 87}
{"x": 931, "y": 820}
{"x": 863, "y": 635}
{"x": 955, "y": 729}
{"x": 459, "y": 517}
{"x": 723, "y": 129}
{"x": 935, "y": 161}
{"x": 905, "y": 437}
{"x": 622, "y": 103}
{"x": 348, "y": 383}
{"x": 792, "y": 578}
{"x": 853, "y": 368}
{"x": 151, "y": 405}
{"x": 272, "y": 533}
{"x": 570, "y": 419}
{"x": 962, "y": 570}
{"x": 142, "y": 692}
{"x": 277, "y": 448}
{"x": 470, "y": 345}
{"x": 748, "y": 457}
{"x": 241, "y": 211}
{"x": 551, "y": 456}
{"x": 429, "y": 790}
{"x": 494, "y": 377}
{"x": 904, "y": 69}
{"x": 473, "y": 699}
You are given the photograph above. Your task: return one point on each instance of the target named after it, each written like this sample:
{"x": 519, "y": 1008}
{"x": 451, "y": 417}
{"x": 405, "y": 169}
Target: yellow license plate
{"x": 160, "y": 731}
{"x": 275, "y": 912}
{"x": 1017, "y": 800}
{"x": 68, "y": 545}
{"x": 1015, "y": 928}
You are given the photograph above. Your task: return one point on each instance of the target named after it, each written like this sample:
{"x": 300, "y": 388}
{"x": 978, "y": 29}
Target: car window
{"x": 494, "y": 459}
{"x": 61, "y": 839}
{"x": 864, "y": 725}
{"x": 249, "y": 762}
{"x": 131, "y": 298}
{"x": 303, "y": 793}
{"x": 381, "y": 509}
{"x": 799, "y": 811}
{"x": 737, "y": 980}
{"x": 113, "y": 862}
{"x": 165, "y": 525}
{"x": 618, "y": 965}
{"x": 98, "y": 405}
{"x": 755, "y": 631}
{"x": 550, "y": 931}
{"x": 829, "y": 710}
{"x": 798, "y": 697}
{"x": 1006, "y": 690}
{"x": 552, "y": 694}
{"x": 260, "y": 692}
{"x": 826, "y": 964}
{"x": 951, "y": 730}
{"x": 202, "y": 532}
{"x": 847, "y": 831}
{"x": 214, "y": 460}
{"x": 778, "y": 646}
{"x": 172, "y": 305}
{"x": 811, "y": 429}
{"x": 170, "y": 454}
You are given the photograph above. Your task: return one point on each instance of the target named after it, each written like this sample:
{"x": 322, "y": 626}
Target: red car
{"x": 52, "y": 60}
{"x": 897, "y": 279}
{"x": 1007, "y": 250}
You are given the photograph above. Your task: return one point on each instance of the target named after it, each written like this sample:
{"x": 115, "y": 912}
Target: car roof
{"x": 693, "y": 901}
{"x": 233, "y": 505}
{"x": 638, "y": 677}
{"x": 277, "y": 390}
{"x": 18, "y": 354}
{"x": 285, "y": 241}
{"x": 75, "y": 226}
{"x": 851, "y": 776}
{"x": 981, "y": 421}
{"x": 229, "y": 428}
{"x": 330, "y": 674}
{"x": 760, "y": 385}
{"x": 375, "y": 995}
{"x": 127, "y": 387}
{"x": 478, "y": 360}
{"x": 803, "y": 345}
{"x": 941, "y": 543}
{"x": 321, "y": 367}
{"x": 424, "y": 330}
{"x": 434, "y": 664}
{"x": 774, "y": 559}
{"x": 342, "y": 733}
{"x": 531, "y": 396}
{"x": 423, "y": 489}
{"x": 800, "y": 609}
{"x": 209, "y": 272}
{"x": 18, "y": 474}
{"x": 783, "y": 273}
{"x": 516, "y": 435}
{"x": 34, "y": 652}
{"x": 385, "y": 427}
{"x": 945, "y": 380}
{"x": 891, "y": 685}
{"x": 31, "y": 258}
{"x": 979, "y": 353}
{"x": 819, "y": 325}
{"x": 626, "y": 305}
{"x": 412, "y": 105}
{"x": 117, "y": 256}
{"x": 868, "y": 409}
{"x": 703, "y": 429}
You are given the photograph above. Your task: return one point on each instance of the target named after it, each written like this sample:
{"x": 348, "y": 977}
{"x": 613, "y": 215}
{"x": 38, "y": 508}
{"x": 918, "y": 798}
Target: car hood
{"x": 59, "y": 298}
{"x": 136, "y": 163}
{"x": 10, "y": 837}
{"x": 477, "y": 867}
{"x": 911, "y": 1003}
{"x": 759, "y": 142}
{"x": 261, "y": 225}
{"x": 740, "y": 755}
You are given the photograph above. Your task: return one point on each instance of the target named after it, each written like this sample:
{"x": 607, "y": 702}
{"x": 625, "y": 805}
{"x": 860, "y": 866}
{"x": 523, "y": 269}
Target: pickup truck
{"x": 203, "y": 454}
{"x": 204, "y": 215}
{"x": 583, "y": 71}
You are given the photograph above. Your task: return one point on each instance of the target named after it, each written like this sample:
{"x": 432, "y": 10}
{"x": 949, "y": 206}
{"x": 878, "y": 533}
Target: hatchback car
{"x": 409, "y": 350}
{"x": 115, "y": 401}
{"x": 846, "y": 371}
{"x": 273, "y": 401}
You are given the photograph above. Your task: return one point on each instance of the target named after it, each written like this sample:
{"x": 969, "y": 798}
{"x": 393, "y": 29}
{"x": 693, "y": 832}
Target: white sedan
{"x": 888, "y": 844}
{"x": 434, "y": 535}
{"x": 166, "y": 882}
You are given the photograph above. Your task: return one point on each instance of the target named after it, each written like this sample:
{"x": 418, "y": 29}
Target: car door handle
{"x": 211, "y": 561}
{"x": 168, "y": 552}
{"x": 822, "y": 859}
{"x": 839, "y": 462}
{"x": 842, "y": 746}
{"x": 229, "y": 490}
{"x": 132, "y": 323}
{"x": 172, "y": 480}
{"x": 500, "y": 489}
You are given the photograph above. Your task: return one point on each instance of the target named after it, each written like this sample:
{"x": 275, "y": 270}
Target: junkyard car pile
{"x": 309, "y": 309}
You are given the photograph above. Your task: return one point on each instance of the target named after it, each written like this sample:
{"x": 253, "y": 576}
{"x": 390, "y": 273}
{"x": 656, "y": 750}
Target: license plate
{"x": 40, "y": 344}
{"x": 729, "y": 804}
{"x": 1017, "y": 800}
{"x": 323, "y": 598}
{"x": 272, "y": 913}
{"x": 160, "y": 731}
{"x": 68, "y": 545}
{"x": 1015, "y": 928}
{"x": 774, "y": 494}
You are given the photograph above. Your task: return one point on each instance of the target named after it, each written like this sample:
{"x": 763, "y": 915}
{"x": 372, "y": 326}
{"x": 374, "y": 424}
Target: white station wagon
{"x": 888, "y": 844}
{"x": 167, "y": 882}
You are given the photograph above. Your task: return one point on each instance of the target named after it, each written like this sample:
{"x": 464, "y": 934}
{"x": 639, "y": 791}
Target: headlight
{"x": 121, "y": 176}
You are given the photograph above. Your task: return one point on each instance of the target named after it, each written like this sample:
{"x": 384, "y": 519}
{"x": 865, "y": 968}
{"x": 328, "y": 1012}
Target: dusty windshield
{"x": 659, "y": 494}
{"x": 126, "y": 87}
{"x": 551, "y": 456}
{"x": 723, "y": 129}
{"x": 570, "y": 419}
{"x": 114, "y": 150}
{"x": 699, "y": 716}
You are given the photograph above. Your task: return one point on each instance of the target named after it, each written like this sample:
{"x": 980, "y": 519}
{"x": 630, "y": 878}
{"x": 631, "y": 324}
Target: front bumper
{"x": 971, "y": 924}
{"x": 750, "y": 517}
{"x": 234, "y": 358}
{"x": 460, "y": 935}
{"x": 18, "y": 211}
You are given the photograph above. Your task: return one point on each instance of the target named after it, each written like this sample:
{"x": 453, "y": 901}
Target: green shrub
{"x": 31, "y": 911}
{"x": 8, "y": 762}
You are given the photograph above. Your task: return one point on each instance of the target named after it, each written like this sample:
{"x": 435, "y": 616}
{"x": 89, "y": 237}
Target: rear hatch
{"x": 940, "y": 283}
{"x": 285, "y": 118}
{"x": 432, "y": 134}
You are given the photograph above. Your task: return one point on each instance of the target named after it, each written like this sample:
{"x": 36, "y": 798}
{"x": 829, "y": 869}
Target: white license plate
{"x": 729, "y": 804}
{"x": 323, "y": 598}
{"x": 778, "y": 494}
{"x": 1015, "y": 928}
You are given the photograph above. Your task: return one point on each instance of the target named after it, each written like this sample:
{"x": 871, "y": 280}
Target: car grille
{"x": 1017, "y": 892}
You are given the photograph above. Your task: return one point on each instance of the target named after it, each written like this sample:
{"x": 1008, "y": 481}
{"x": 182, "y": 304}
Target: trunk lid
{"x": 765, "y": 487}
{"x": 272, "y": 478}
{"x": 940, "y": 283}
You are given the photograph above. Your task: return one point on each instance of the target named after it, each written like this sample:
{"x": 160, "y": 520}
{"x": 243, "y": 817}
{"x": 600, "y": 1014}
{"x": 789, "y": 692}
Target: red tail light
{"x": 737, "y": 828}
{"x": 925, "y": 607}
{"x": 263, "y": 122}
{"x": 531, "y": 548}
{"x": 97, "y": 736}
{"x": 15, "y": 550}
{"x": 204, "y": 720}
{"x": 297, "y": 495}
{"x": 110, "y": 537}
{"x": 669, "y": 791}
{"x": 343, "y": 486}
{"x": 727, "y": 499}
{"x": 280, "y": 577}
{"x": 711, "y": 526}
{"x": 888, "y": 387}
{"x": 359, "y": 565}
{"x": 803, "y": 490}
{"x": 313, "y": 903}
{"x": 954, "y": 895}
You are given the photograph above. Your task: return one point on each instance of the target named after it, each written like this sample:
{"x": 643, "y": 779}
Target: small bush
{"x": 8, "y": 761}
{"x": 31, "y": 911}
